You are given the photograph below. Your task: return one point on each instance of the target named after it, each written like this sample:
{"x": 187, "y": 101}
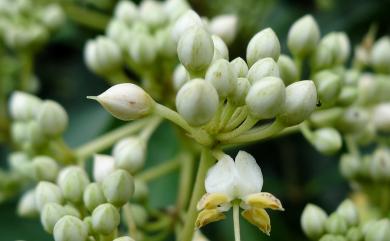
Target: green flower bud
{"x": 326, "y": 117}
{"x": 338, "y": 44}
{"x": 380, "y": 55}
{"x": 354, "y": 119}
{"x": 197, "y": 102}
{"x": 327, "y": 140}
{"x": 380, "y": 165}
{"x": 195, "y": 50}
{"x": 139, "y": 214}
{"x": 264, "y": 44}
{"x": 166, "y": 47}
{"x": 225, "y": 26}
{"x": 126, "y": 11}
{"x": 52, "y": 118}
{"x": 103, "y": 56}
{"x": 188, "y": 20}
{"x": 19, "y": 132}
{"x": 152, "y": 14}
{"x": 301, "y": 100}
{"x": 378, "y": 231}
{"x": 239, "y": 67}
{"x": 266, "y": 97}
{"x": 328, "y": 86}
{"x": 350, "y": 166}
{"x": 220, "y": 49}
{"x": 126, "y": 101}
{"x": 347, "y": 96}
{"x": 52, "y": 16}
{"x": 351, "y": 77}
{"x": 313, "y": 221}
{"x": 70, "y": 228}
{"x": 35, "y": 135}
{"x": 118, "y": 31}
{"x": 221, "y": 76}
{"x": 47, "y": 192}
{"x": 93, "y": 196}
{"x": 23, "y": 106}
{"x": 336, "y": 224}
{"x": 51, "y": 213}
{"x": 373, "y": 89}
{"x": 20, "y": 163}
{"x": 103, "y": 165}
{"x": 180, "y": 77}
{"x": 143, "y": 49}
{"x": 124, "y": 238}
{"x": 303, "y": 36}
{"x": 118, "y": 187}
{"x": 381, "y": 117}
{"x": 354, "y": 234}
{"x": 24, "y": 37}
{"x": 45, "y": 168}
{"x": 130, "y": 154}
{"x": 70, "y": 209}
{"x": 240, "y": 92}
{"x": 73, "y": 180}
{"x": 263, "y": 68}
{"x": 330, "y": 237}
{"x": 287, "y": 69}
{"x": 348, "y": 211}
{"x": 105, "y": 219}
{"x": 26, "y": 205}
{"x": 322, "y": 57}
{"x": 88, "y": 223}
{"x": 141, "y": 191}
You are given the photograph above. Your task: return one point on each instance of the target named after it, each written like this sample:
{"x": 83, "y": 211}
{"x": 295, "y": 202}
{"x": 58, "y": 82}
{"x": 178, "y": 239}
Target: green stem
{"x": 237, "y": 119}
{"x": 85, "y": 16}
{"x": 227, "y": 113}
{"x": 306, "y": 132}
{"x": 248, "y": 123}
{"x": 187, "y": 165}
{"x": 236, "y": 222}
{"x": 163, "y": 223}
{"x": 131, "y": 227}
{"x": 27, "y": 70}
{"x": 206, "y": 161}
{"x": 352, "y": 146}
{"x": 159, "y": 170}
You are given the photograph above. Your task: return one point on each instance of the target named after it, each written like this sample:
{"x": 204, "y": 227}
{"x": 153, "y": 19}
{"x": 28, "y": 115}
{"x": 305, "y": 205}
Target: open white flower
{"x": 236, "y": 183}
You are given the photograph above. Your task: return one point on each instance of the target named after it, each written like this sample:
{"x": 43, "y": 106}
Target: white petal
{"x": 221, "y": 178}
{"x": 102, "y": 166}
{"x": 250, "y": 178}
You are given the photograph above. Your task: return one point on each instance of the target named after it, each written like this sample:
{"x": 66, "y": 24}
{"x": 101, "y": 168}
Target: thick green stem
{"x": 159, "y": 170}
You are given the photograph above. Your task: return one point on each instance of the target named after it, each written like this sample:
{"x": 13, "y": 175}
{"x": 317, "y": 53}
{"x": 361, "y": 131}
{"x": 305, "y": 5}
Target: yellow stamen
{"x": 258, "y": 217}
{"x": 212, "y": 200}
{"x": 263, "y": 200}
{"x": 208, "y": 216}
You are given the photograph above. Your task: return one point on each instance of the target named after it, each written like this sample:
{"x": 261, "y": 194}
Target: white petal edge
{"x": 250, "y": 177}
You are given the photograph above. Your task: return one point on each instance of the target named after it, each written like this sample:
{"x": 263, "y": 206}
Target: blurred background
{"x": 292, "y": 169}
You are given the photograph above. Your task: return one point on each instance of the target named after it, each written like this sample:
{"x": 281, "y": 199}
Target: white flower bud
{"x": 141, "y": 191}
{"x": 263, "y": 68}
{"x": 103, "y": 56}
{"x": 266, "y": 97}
{"x": 378, "y": 231}
{"x": 70, "y": 209}
{"x": 322, "y": 57}
{"x": 143, "y": 49}
{"x": 355, "y": 234}
{"x": 139, "y": 214}
{"x": 327, "y": 140}
{"x": 35, "y": 135}
{"x": 348, "y": 211}
{"x": 354, "y": 119}
{"x": 126, "y": 11}
{"x": 152, "y": 13}
{"x": 220, "y": 49}
{"x": 103, "y": 165}
{"x": 175, "y": 8}
{"x": 93, "y": 196}
{"x": 119, "y": 32}
{"x": 326, "y": 117}
{"x": 51, "y": 213}
{"x": 73, "y": 180}
{"x": 166, "y": 46}
{"x": 45, "y": 168}
{"x": 240, "y": 92}
{"x": 105, "y": 219}
{"x": 53, "y": 118}
{"x": 195, "y": 50}
{"x": 380, "y": 55}
{"x": 70, "y": 228}
{"x": 19, "y": 132}
{"x": 303, "y": 36}
{"x": 221, "y": 77}
{"x": 19, "y": 163}
{"x": 26, "y": 205}
{"x": 336, "y": 224}
{"x": 197, "y": 102}
{"x": 118, "y": 187}
{"x": 287, "y": 69}
{"x": 225, "y": 26}
{"x": 124, "y": 238}
{"x": 52, "y": 16}
{"x": 313, "y": 221}
{"x": 47, "y": 192}
{"x": 23, "y": 106}
{"x": 126, "y": 101}
{"x": 26, "y": 37}
{"x": 180, "y": 77}
{"x": 264, "y": 44}
{"x": 350, "y": 166}
{"x": 338, "y": 45}
{"x": 301, "y": 100}
{"x": 239, "y": 67}
{"x": 130, "y": 154}
{"x": 328, "y": 86}
{"x": 380, "y": 165}
{"x": 188, "y": 20}
{"x": 347, "y": 96}
{"x": 381, "y": 117}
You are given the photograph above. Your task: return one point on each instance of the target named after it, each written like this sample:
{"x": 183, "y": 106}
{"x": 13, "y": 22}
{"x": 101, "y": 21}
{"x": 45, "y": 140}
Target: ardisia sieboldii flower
{"x": 236, "y": 184}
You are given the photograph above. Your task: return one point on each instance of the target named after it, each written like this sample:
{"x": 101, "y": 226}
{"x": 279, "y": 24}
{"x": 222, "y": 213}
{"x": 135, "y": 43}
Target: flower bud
{"x": 103, "y": 165}
{"x": 327, "y": 140}
{"x": 105, "y": 219}
{"x": 139, "y": 214}
{"x": 26, "y": 205}
{"x": 29, "y": 36}
{"x": 347, "y": 96}
{"x": 175, "y": 8}
{"x": 354, "y": 119}
{"x": 19, "y": 163}
{"x": 195, "y": 50}
{"x": 45, "y": 168}
{"x": 381, "y": 117}
{"x": 52, "y": 16}
{"x": 130, "y": 154}
{"x": 348, "y": 211}
{"x": 70, "y": 209}
{"x": 220, "y": 49}
{"x": 240, "y": 92}
{"x": 239, "y": 67}
{"x": 322, "y": 57}
{"x": 143, "y": 49}
{"x": 23, "y": 106}
{"x": 126, "y": 101}
{"x": 88, "y": 222}
{"x": 70, "y": 228}
{"x": 53, "y": 118}
{"x": 118, "y": 187}
{"x": 73, "y": 180}
{"x": 124, "y": 238}
{"x": 378, "y": 231}
{"x": 35, "y": 135}
{"x": 354, "y": 234}
{"x": 166, "y": 46}
{"x": 51, "y": 213}
{"x": 336, "y": 224}
{"x": 264, "y": 44}
{"x": 380, "y": 55}
{"x": 225, "y": 26}
{"x": 328, "y": 86}
{"x": 263, "y": 68}
{"x": 180, "y": 77}
{"x": 380, "y": 165}
{"x": 188, "y": 20}
{"x": 118, "y": 31}
{"x": 141, "y": 191}
{"x": 266, "y": 97}
{"x": 303, "y": 36}
{"x": 197, "y": 102}
{"x": 331, "y": 237}
{"x": 313, "y": 221}
{"x": 326, "y": 117}
{"x": 103, "y": 56}
{"x": 126, "y": 11}
{"x": 93, "y": 196}
{"x": 350, "y": 166}
{"x": 19, "y": 132}
{"x": 47, "y": 192}
{"x": 301, "y": 100}
{"x": 287, "y": 69}
{"x": 221, "y": 77}
{"x": 152, "y": 14}
{"x": 339, "y": 46}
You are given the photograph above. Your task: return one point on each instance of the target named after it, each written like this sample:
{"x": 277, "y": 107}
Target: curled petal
{"x": 258, "y": 217}
{"x": 250, "y": 178}
{"x": 212, "y": 200}
{"x": 207, "y": 216}
{"x": 263, "y": 200}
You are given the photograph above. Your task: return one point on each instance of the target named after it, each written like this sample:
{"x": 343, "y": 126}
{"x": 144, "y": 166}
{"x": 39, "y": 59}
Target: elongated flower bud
{"x": 313, "y": 221}
{"x": 380, "y": 55}
{"x": 51, "y": 213}
{"x": 26, "y": 205}
{"x": 93, "y": 196}
{"x": 118, "y": 187}
{"x": 141, "y": 191}
{"x": 52, "y": 16}
{"x": 105, "y": 219}
{"x": 336, "y": 224}
{"x": 47, "y": 192}
{"x": 23, "y": 106}
{"x": 221, "y": 77}
{"x": 350, "y": 166}
{"x": 151, "y": 12}
{"x": 126, "y": 101}
{"x": 220, "y": 49}
{"x": 328, "y": 86}
{"x": 45, "y": 168}
{"x": 380, "y": 165}
{"x": 347, "y": 96}
{"x": 381, "y": 117}
{"x": 143, "y": 49}
{"x": 264, "y": 44}
{"x": 348, "y": 211}
{"x": 126, "y": 11}
{"x": 353, "y": 119}
{"x": 287, "y": 69}
{"x": 73, "y": 181}
{"x": 188, "y": 20}
{"x": 240, "y": 92}
{"x": 225, "y": 26}
{"x": 239, "y": 67}
{"x": 70, "y": 228}
{"x": 130, "y": 154}
{"x": 263, "y": 68}
{"x": 197, "y": 102}
{"x": 53, "y": 118}
{"x": 103, "y": 165}
{"x": 327, "y": 140}
{"x": 180, "y": 77}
